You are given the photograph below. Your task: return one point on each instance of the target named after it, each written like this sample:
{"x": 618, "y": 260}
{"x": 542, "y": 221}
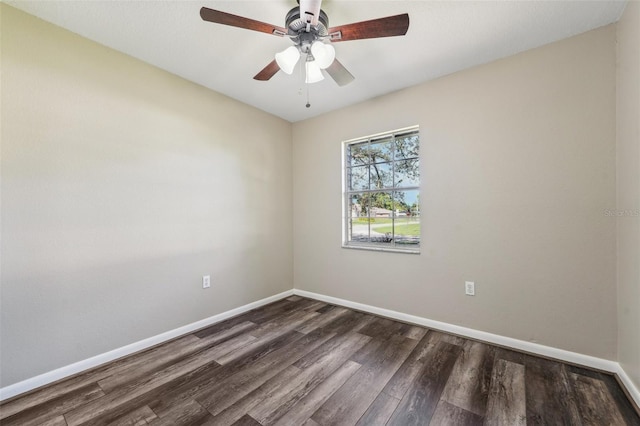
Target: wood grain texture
{"x": 421, "y": 399}
{"x": 415, "y": 332}
{"x": 138, "y": 417}
{"x": 383, "y": 328}
{"x": 243, "y": 406}
{"x": 225, "y": 18}
{"x": 306, "y": 406}
{"x": 351, "y": 401}
{"x": 308, "y": 378}
{"x": 627, "y": 408}
{"x": 410, "y": 369}
{"x": 231, "y": 390}
{"x": 389, "y": 26}
{"x": 200, "y": 381}
{"x": 438, "y": 336}
{"x": 160, "y": 356}
{"x": 267, "y": 72}
{"x": 468, "y": 385}
{"x": 448, "y": 414}
{"x": 596, "y": 404}
{"x": 185, "y": 414}
{"x": 550, "y": 399}
{"x": 310, "y": 422}
{"x": 139, "y": 387}
{"x": 351, "y": 322}
{"x": 506, "y": 402}
{"x": 300, "y": 361}
{"x": 321, "y": 320}
{"x": 56, "y": 421}
{"x": 56, "y": 390}
{"x": 56, "y": 406}
{"x": 380, "y": 411}
{"x": 246, "y": 420}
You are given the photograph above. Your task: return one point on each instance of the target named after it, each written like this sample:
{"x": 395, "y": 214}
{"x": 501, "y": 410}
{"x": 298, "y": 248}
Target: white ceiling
{"x": 443, "y": 37}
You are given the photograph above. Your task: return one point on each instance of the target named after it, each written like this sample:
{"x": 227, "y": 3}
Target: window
{"x": 382, "y": 192}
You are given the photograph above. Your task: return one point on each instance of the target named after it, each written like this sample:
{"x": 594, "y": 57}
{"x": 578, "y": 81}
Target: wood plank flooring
{"x": 303, "y": 362}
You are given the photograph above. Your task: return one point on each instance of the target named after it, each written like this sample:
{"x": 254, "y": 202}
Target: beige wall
{"x": 121, "y": 186}
{"x": 518, "y": 167}
{"x": 628, "y": 190}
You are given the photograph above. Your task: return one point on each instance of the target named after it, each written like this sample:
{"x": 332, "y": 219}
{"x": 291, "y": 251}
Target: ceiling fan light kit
{"x": 313, "y": 73}
{"x": 324, "y": 54}
{"x": 308, "y": 28}
{"x": 287, "y": 59}
{"x": 321, "y": 55}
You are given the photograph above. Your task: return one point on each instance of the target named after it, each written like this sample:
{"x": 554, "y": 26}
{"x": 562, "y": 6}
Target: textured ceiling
{"x": 443, "y": 37}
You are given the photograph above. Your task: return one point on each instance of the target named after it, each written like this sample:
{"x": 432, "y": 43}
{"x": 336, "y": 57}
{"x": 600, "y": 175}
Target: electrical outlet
{"x": 469, "y": 288}
{"x": 206, "y": 281}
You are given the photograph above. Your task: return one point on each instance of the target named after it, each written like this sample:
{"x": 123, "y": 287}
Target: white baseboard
{"x": 534, "y": 348}
{"x": 634, "y": 392}
{"x": 80, "y": 366}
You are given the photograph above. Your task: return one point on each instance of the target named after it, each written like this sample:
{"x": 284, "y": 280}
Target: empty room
{"x": 316, "y": 213}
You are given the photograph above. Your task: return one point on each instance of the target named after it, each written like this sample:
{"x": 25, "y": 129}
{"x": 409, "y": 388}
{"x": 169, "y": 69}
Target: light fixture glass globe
{"x": 288, "y": 58}
{"x": 324, "y": 54}
{"x": 314, "y": 74}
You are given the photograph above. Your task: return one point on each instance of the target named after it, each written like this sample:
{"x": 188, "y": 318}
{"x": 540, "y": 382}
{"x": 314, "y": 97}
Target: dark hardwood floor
{"x": 304, "y": 362}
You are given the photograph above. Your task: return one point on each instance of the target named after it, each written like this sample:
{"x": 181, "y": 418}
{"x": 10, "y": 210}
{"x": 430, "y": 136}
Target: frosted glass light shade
{"x": 313, "y": 72}
{"x": 324, "y": 54}
{"x": 287, "y": 59}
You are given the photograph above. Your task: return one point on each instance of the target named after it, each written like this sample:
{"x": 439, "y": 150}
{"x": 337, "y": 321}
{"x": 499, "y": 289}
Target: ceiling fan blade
{"x": 267, "y": 72}
{"x": 382, "y": 27}
{"x": 225, "y": 18}
{"x": 310, "y": 9}
{"x": 339, "y": 73}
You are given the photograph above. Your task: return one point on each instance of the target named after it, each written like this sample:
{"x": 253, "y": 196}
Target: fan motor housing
{"x": 297, "y": 28}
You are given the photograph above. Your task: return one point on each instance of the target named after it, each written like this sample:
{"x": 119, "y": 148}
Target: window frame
{"x": 347, "y": 192}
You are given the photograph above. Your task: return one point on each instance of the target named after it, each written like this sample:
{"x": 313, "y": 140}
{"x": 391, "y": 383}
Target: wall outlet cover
{"x": 469, "y": 288}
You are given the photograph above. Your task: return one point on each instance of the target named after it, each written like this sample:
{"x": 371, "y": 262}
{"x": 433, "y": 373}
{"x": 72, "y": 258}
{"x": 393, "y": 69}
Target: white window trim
{"x": 345, "y": 202}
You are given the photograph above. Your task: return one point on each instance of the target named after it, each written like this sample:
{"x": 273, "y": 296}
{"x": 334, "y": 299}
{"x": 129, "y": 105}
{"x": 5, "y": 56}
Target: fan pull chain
{"x": 301, "y": 79}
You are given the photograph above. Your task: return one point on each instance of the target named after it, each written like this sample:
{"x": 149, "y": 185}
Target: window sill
{"x": 383, "y": 249}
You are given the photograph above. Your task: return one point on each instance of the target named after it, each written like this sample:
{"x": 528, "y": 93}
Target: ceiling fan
{"x": 308, "y": 27}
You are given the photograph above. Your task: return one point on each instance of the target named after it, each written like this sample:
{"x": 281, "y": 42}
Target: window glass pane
{"x": 381, "y": 150}
{"x": 407, "y": 173}
{"x": 407, "y": 146}
{"x": 358, "y": 154}
{"x": 407, "y": 218}
{"x": 358, "y": 220}
{"x": 381, "y": 176}
{"x": 381, "y": 213}
{"x": 358, "y": 177}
